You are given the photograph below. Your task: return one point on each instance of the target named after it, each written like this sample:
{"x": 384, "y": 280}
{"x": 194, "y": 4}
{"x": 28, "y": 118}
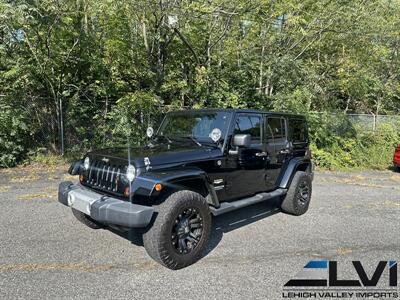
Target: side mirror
{"x": 149, "y": 132}
{"x": 242, "y": 140}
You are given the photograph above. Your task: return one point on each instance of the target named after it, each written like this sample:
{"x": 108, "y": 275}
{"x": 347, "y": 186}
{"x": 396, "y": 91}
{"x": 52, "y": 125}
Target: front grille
{"x": 104, "y": 175}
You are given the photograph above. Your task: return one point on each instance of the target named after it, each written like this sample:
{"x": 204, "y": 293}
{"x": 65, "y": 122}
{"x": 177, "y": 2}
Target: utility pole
{"x": 374, "y": 121}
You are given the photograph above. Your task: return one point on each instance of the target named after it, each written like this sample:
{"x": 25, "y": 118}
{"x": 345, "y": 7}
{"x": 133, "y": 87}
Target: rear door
{"x": 278, "y": 147}
{"x": 298, "y": 136}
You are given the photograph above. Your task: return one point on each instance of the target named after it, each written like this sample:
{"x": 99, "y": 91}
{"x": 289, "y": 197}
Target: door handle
{"x": 284, "y": 151}
{"x": 261, "y": 154}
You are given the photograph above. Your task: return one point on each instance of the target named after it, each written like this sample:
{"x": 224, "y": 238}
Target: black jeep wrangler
{"x": 199, "y": 163}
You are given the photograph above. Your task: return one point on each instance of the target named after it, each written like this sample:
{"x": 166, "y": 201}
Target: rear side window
{"x": 247, "y": 124}
{"x": 276, "y": 128}
{"x": 298, "y": 130}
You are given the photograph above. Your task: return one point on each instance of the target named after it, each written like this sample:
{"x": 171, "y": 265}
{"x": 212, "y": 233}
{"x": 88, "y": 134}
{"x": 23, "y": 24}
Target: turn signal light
{"x": 158, "y": 187}
{"x": 81, "y": 178}
{"x": 126, "y": 191}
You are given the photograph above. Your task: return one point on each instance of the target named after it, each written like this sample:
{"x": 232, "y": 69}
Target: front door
{"x": 247, "y": 174}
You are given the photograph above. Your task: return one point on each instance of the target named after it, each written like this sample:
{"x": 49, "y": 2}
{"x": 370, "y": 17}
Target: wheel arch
{"x": 294, "y": 165}
{"x": 199, "y": 185}
{"x": 195, "y": 180}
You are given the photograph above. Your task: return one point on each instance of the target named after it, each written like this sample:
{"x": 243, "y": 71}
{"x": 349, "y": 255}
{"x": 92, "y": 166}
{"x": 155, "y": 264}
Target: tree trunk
{"x": 261, "y": 75}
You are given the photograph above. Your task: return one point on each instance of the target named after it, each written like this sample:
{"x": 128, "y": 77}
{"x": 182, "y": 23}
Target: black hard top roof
{"x": 235, "y": 110}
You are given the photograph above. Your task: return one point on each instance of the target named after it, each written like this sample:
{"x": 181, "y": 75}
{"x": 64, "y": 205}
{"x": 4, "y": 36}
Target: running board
{"x": 230, "y": 206}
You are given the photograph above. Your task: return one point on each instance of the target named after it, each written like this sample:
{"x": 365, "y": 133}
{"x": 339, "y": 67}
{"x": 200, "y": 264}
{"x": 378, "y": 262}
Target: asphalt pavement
{"x": 46, "y": 254}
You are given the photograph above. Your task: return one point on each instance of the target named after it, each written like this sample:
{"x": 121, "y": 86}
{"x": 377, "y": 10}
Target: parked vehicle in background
{"x": 199, "y": 163}
{"x": 396, "y": 158}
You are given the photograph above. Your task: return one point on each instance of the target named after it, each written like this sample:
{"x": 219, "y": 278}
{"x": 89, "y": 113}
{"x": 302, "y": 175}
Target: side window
{"x": 276, "y": 129}
{"x": 298, "y": 130}
{"x": 248, "y": 124}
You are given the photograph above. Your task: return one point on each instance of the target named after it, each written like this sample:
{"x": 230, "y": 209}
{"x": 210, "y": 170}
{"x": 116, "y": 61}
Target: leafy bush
{"x": 129, "y": 118}
{"x": 14, "y": 135}
{"x": 338, "y": 148}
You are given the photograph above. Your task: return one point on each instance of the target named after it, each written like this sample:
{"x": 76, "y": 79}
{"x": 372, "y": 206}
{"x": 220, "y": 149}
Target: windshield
{"x": 201, "y": 126}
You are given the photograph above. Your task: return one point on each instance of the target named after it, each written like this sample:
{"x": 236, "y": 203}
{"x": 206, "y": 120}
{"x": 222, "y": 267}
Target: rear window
{"x": 298, "y": 130}
{"x": 276, "y": 129}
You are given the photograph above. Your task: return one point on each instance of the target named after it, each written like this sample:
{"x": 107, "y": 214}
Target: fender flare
{"x": 285, "y": 178}
{"x": 173, "y": 179}
{"x": 76, "y": 167}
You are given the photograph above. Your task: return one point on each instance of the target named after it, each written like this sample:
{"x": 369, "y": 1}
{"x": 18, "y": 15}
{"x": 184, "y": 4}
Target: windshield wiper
{"x": 210, "y": 144}
{"x": 165, "y": 137}
{"x": 190, "y": 138}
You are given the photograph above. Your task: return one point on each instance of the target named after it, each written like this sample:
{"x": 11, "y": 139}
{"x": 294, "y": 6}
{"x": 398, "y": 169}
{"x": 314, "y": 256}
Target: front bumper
{"x": 103, "y": 208}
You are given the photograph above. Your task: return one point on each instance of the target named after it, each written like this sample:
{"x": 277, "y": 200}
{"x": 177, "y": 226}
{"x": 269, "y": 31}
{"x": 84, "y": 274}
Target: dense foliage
{"x": 110, "y": 67}
{"x": 340, "y": 145}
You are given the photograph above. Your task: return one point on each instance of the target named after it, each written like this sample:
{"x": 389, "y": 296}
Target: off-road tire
{"x": 294, "y": 203}
{"x": 85, "y": 219}
{"x": 158, "y": 241}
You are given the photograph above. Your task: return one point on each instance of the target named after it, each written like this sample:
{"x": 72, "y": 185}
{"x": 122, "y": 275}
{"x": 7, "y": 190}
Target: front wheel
{"x": 298, "y": 197}
{"x": 180, "y": 231}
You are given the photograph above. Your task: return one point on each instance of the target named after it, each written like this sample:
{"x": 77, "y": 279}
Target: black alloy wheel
{"x": 298, "y": 197}
{"x": 303, "y": 193}
{"x": 180, "y": 230}
{"x": 187, "y": 231}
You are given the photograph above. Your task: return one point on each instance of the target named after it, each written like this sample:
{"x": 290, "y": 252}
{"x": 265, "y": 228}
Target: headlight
{"x": 86, "y": 163}
{"x": 131, "y": 173}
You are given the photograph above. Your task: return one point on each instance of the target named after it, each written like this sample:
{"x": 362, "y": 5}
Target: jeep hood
{"x": 158, "y": 154}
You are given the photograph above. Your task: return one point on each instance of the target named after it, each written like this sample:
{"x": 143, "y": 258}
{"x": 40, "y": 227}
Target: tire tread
{"x": 289, "y": 204}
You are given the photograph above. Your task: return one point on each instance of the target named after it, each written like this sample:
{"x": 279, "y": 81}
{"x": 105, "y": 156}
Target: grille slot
{"x": 104, "y": 175}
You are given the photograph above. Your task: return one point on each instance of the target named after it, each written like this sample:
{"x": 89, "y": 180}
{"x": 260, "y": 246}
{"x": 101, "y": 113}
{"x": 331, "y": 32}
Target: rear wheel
{"x": 85, "y": 219}
{"x": 298, "y": 197}
{"x": 180, "y": 231}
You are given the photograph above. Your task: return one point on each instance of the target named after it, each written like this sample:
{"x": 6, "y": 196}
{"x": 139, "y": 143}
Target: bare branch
{"x": 184, "y": 40}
